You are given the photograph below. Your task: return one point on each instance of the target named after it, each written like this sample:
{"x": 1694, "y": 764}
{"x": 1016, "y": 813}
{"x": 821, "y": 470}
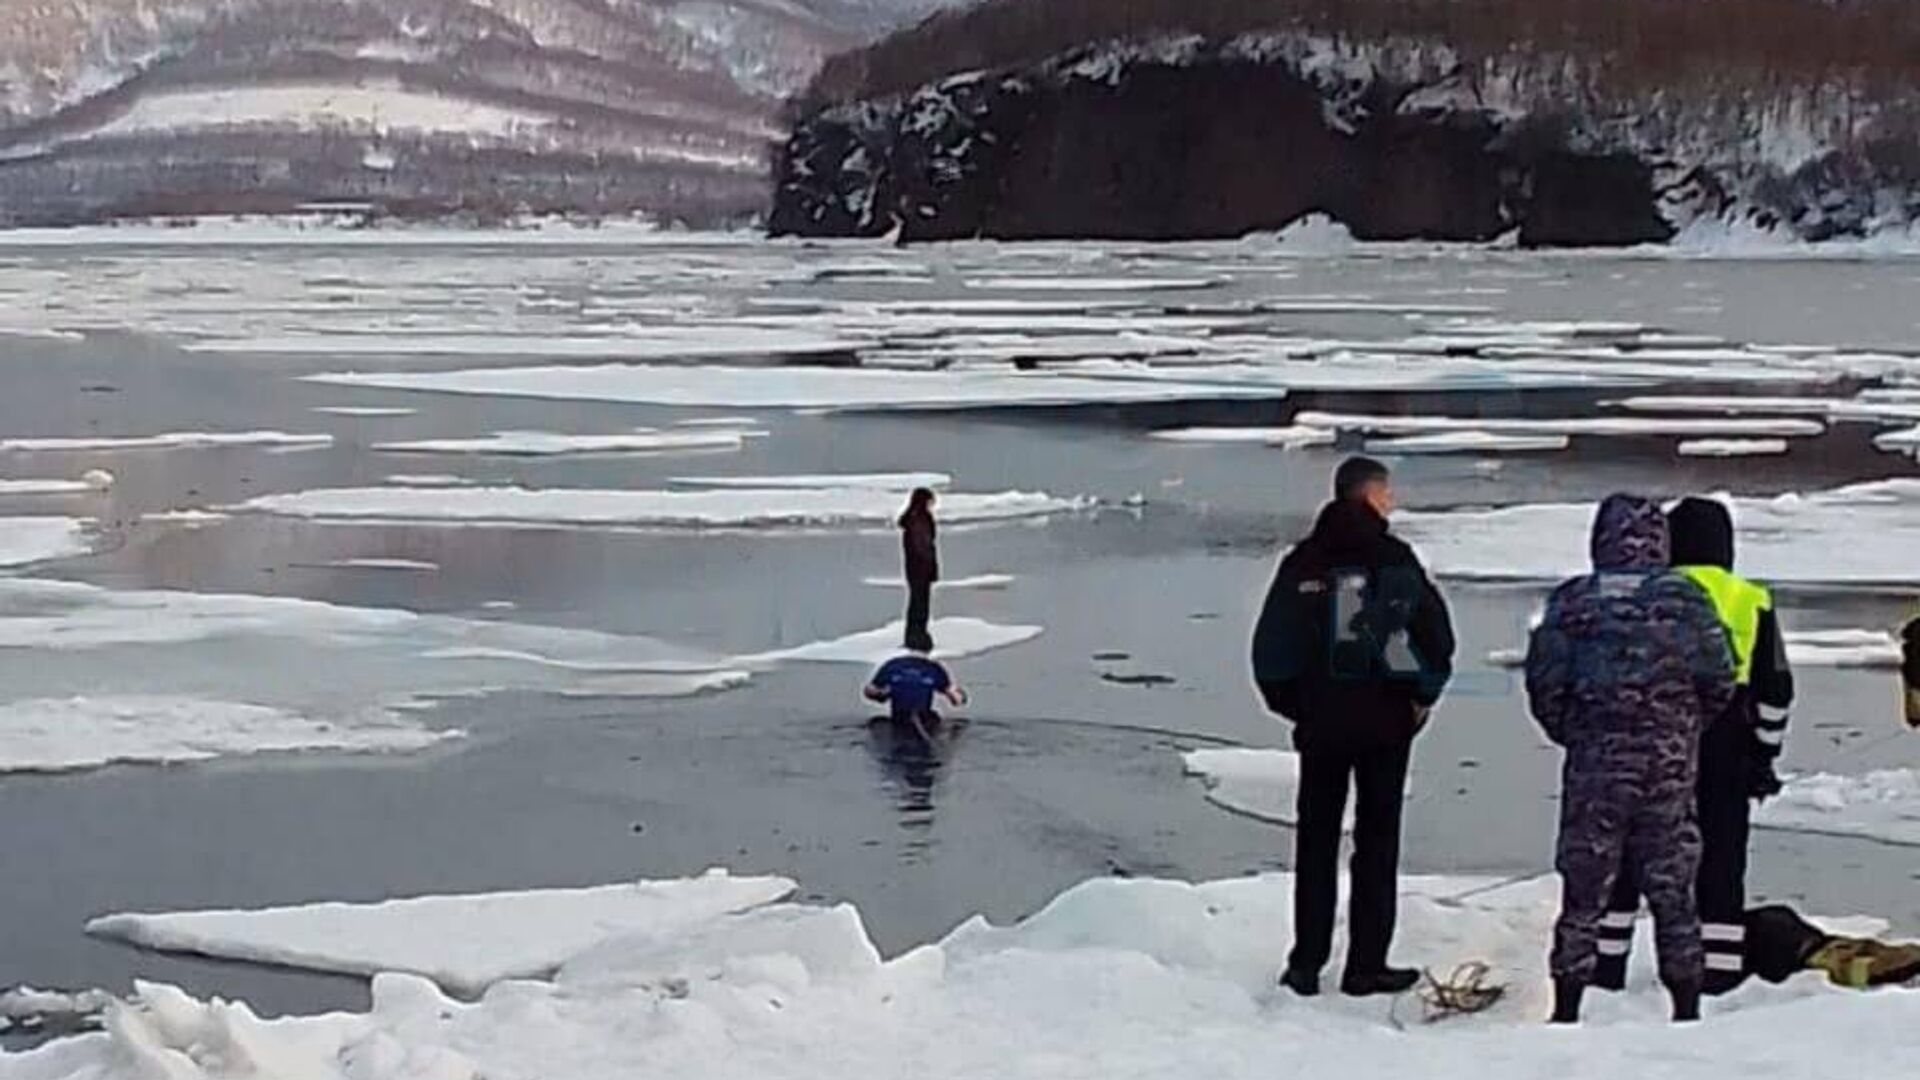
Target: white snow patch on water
{"x": 1261, "y": 784}
{"x": 369, "y": 412}
{"x": 545, "y": 444}
{"x": 1113, "y": 978}
{"x": 1467, "y": 442}
{"x": 742, "y": 509}
{"x": 1863, "y": 534}
{"x": 954, "y": 637}
{"x": 428, "y": 480}
{"x": 1294, "y": 437}
{"x": 898, "y": 481}
{"x": 1882, "y": 806}
{"x": 48, "y": 735}
{"x": 990, "y": 582}
{"x": 1728, "y": 448}
{"x": 796, "y": 387}
{"x": 179, "y": 440}
{"x": 25, "y": 540}
{"x": 1605, "y": 426}
{"x": 463, "y": 943}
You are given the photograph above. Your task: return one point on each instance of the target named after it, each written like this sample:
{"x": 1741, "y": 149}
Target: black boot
{"x": 1686, "y": 1002}
{"x": 1611, "y": 973}
{"x": 1388, "y": 980}
{"x": 1566, "y": 1000}
{"x": 1304, "y": 983}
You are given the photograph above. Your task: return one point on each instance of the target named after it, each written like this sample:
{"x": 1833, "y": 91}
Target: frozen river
{"x": 475, "y": 659}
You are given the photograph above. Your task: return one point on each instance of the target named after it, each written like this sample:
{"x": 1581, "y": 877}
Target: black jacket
{"x": 918, "y": 539}
{"x": 1354, "y": 642}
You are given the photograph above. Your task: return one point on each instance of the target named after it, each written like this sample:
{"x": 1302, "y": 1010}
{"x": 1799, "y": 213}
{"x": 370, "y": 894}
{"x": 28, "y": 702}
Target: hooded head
{"x": 1629, "y": 533}
{"x": 919, "y": 504}
{"x": 1702, "y": 532}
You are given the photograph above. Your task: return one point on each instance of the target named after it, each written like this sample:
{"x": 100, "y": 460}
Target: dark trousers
{"x": 919, "y": 611}
{"x": 1725, "y": 813}
{"x": 1379, "y": 782}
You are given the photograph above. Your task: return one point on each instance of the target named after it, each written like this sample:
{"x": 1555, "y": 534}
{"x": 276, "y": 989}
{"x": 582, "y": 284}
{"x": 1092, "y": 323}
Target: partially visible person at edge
{"x": 1737, "y": 752}
{"x": 919, "y": 543}
{"x": 1354, "y": 646}
{"x": 1910, "y": 671}
{"x": 908, "y": 684}
{"x": 1626, "y": 669}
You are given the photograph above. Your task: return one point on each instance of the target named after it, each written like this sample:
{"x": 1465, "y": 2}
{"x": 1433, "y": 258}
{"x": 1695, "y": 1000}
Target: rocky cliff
{"x": 1183, "y": 135}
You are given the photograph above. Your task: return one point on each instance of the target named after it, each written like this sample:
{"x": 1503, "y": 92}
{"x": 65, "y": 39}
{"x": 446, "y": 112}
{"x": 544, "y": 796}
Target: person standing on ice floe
{"x": 920, "y": 546}
{"x": 1354, "y": 646}
{"x": 1626, "y": 669}
{"x": 908, "y": 684}
{"x": 1737, "y": 752}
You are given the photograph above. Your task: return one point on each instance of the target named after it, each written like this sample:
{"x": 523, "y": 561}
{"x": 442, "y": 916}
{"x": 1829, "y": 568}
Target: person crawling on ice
{"x": 1737, "y": 751}
{"x": 908, "y": 685}
{"x": 1625, "y": 671}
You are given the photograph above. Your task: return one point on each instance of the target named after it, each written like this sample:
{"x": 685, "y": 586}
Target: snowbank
{"x": 1262, "y": 784}
{"x": 1114, "y": 978}
{"x": 88, "y": 732}
{"x": 1882, "y": 806}
{"x": 1863, "y": 534}
{"x": 179, "y": 440}
{"x": 25, "y": 540}
{"x": 742, "y": 509}
{"x": 463, "y": 943}
{"x": 956, "y": 636}
{"x": 547, "y": 444}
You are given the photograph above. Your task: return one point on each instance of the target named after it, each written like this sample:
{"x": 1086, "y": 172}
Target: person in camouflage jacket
{"x": 1625, "y": 671}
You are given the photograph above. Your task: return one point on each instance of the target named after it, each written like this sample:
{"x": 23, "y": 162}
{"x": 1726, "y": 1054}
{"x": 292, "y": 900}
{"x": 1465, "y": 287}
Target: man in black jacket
{"x": 1354, "y": 646}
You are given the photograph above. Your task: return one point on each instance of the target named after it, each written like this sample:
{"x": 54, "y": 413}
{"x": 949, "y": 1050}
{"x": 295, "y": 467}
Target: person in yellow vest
{"x": 1737, "y": 752}
{"x": 1910, "y": 670}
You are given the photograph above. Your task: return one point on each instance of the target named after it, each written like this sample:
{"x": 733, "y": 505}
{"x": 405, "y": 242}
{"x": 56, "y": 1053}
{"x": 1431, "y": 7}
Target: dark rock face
{"x": 1213, "y": 147}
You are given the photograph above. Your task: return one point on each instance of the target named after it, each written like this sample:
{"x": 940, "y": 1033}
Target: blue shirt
{"x": 909, "y": 683}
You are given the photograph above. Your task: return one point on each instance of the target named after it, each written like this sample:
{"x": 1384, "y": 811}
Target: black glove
{"x": 1762, "y": 782}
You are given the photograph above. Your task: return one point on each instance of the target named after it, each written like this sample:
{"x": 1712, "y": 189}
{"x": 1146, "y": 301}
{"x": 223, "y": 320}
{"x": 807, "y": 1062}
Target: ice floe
{"x": 1883, "y": 806}
{"x": 25, "y": 540}
{"x": 547, "y": 444}
{"x": 954, "y": 637}
{"x": 656, "y": 685}
{"x": 10, "y": 488}
{"x": 797, "y": 387}
{"x": 1293, "y": 437}
{"x": 1906, "y": 441}
{"x": 179, "y": 440}
{"x": 463, "y": 943}
{"x": 367, "y": 412}
{"x": 1261, "y": 784}
{"x": 1729, "y": 448}
{"x": 662, "y": 343}
{"x": 64, "y": 735}
{"x": 413, "y": 565}
{"x": 1094, "y": 284}
{"x": 1805, "y": 648}
{"x": 1467, "y": 442}
{"x": 1113, "y": 978}
{"x": 897, "y": 481}
{"x": 733, "y": 509}
{"x": 1627, "y": 426}
{"x": 1864, "y": 407}
{"x": 1863, "y": 534}
{"x": 991, "y": 582}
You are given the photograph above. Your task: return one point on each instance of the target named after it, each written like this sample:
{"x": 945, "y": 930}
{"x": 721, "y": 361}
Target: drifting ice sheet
{"x": 25, "y": 540}
{"x": 1261, "y": 784}
{"x": 1727, "y": 448}
{"x": 179, "y": 440}
{"x": 546, "y": 444}
{"x": 651, "y": 509}
{"x": 1467, "y": 442}
{"x": 84, "y": 733}
{"x": 463, "y": 943}
{"x": 796, "y": 387}
{"x": 1289, "y": 438}
{"x": 44, "y": 487}
{"x": 1882, "y": 806}
{"x": 688, "y": 343}
{"x": 1859, "y": 535}
{"x": 901, "y": 481}
{"x": 1732, "y": 427}
{"x": 1805, "y": 648}
{"x": 367, "y": 412}
{"x": 976, "y": 581}
{"x": 955, "y": 637}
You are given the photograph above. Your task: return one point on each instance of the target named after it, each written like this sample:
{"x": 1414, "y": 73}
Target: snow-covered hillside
{"x": 490, "y": 107}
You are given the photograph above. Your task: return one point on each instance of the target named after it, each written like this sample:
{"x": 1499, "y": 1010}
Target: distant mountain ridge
{"x": 487, "y": 108}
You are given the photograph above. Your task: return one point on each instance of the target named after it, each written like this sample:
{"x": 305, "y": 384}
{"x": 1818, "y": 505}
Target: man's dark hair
{"x": 1354, "y": 474}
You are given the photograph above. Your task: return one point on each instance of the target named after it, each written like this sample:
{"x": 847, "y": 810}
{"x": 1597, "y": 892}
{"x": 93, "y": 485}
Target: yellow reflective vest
{"x": 1739, "y": 603}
